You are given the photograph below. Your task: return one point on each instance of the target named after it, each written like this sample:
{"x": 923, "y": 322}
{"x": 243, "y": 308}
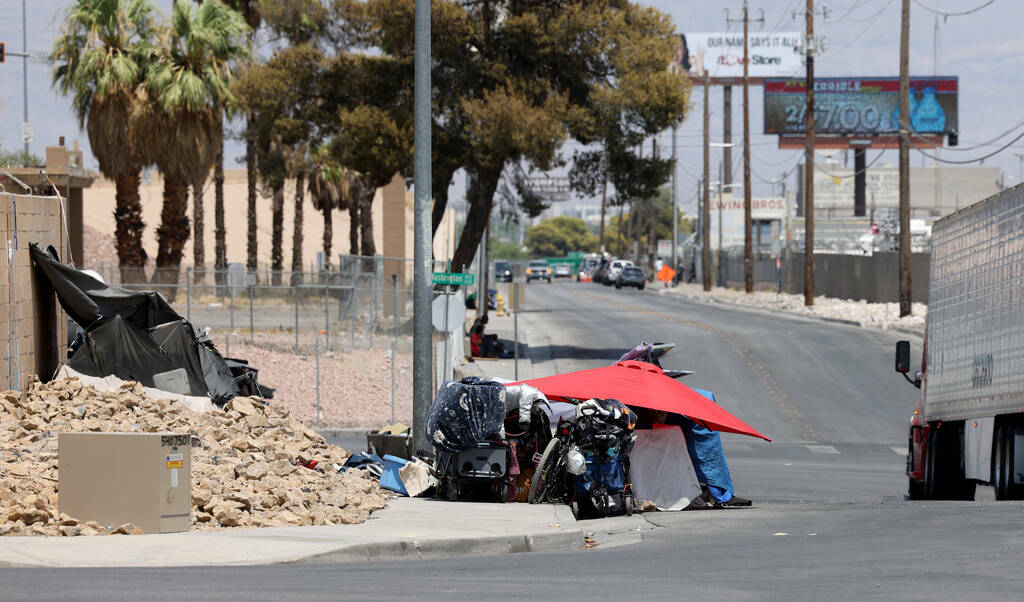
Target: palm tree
{"x": 329, "y": 189}
{"x": 190, "y": 83}
{"x": 102, "y": 59}
{"x": 249, "y": 9}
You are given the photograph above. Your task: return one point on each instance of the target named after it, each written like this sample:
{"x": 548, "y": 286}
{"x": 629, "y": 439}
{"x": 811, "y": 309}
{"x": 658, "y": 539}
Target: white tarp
{"x": 660, "y": 468}
{"x": 113, "y": 383}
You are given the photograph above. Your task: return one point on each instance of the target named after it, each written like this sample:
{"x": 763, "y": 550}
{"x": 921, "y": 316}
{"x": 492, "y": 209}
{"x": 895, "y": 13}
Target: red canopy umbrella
{"x": 642, "y": 385}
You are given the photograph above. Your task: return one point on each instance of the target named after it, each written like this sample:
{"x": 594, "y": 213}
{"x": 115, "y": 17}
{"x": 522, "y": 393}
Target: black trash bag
{"x": 464, "y": 413}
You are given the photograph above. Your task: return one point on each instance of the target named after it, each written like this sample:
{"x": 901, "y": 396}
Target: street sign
{"x": 448, "y": 313}
{"x": 575, "y": 254}
{"x": 28, "y": 132}
{"x": 454, "y": 279}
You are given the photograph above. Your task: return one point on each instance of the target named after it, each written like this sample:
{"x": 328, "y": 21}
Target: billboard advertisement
{"x": 770, "y": 54}
{"x": 860, "y": 106}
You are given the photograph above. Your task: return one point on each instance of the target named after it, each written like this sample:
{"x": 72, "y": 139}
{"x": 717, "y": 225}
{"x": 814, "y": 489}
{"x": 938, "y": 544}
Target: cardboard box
{"x": 116, "y": 478}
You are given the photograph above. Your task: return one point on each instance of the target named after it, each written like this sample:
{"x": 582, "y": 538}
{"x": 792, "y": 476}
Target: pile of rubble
{"x": 252, "y": 464}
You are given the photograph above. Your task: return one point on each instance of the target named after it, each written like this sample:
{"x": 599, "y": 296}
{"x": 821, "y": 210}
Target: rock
{"x": 32, "y": 515}
{"x": 226, "y": 514}
{"x": 67, "y": 521}
{"x": 201, "y": 496}
{"x": 70, "y": 530}
{"x": 127, "y": 529}
{"x": 256, "y": 471}
{"x": 241, "y": 405}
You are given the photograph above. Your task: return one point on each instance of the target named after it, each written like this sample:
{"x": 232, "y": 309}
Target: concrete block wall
{"x": 32, "y": 324}
{"x": 873, "y": 278}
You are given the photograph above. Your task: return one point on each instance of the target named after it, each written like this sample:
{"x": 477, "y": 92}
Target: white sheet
{"x": 113, "y": 383}
{"x": 660, "y": 468}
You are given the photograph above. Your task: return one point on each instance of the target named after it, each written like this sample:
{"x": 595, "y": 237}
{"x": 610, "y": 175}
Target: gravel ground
{"x": 872, "y": 315}
{"x": 355, "y": 385}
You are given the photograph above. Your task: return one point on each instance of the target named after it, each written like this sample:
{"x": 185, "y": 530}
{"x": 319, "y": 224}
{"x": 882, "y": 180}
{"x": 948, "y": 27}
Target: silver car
{"x": 563, "y": 270}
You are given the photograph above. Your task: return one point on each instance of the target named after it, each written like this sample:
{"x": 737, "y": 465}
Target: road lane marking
{"x": 822, "y": 449}
{"x": 899, "y": 450}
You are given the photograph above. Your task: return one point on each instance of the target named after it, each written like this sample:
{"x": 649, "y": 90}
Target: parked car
{"x": 631, "y": 276}
{"x": 538, "y": 270}
{"x": 615, "y": 269}
{"x": 563, "y": 270}
{"x": 502, "y": 271}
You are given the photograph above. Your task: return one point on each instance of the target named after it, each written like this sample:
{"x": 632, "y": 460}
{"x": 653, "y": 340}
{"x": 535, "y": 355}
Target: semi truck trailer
{"x": 968, "y": 426}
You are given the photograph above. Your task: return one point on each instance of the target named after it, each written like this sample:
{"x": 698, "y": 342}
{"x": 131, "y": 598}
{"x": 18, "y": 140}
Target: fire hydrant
{"x": 500, "y": 302}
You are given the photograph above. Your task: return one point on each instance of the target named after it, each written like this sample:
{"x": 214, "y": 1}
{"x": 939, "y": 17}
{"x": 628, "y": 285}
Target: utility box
{"x": 116, "y": 478}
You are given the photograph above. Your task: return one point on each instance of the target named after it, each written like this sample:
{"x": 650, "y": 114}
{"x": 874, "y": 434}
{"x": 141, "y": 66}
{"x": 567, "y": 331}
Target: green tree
{"x": 503, "y": 249}
{"x": 515, "y": 79}
{"x": 190, "y": 84}
{"x": 102, "y": 58}
{"x": 20, "y": 158}
{"x": 557, "y": 236}
{"x": 281, "y": 97}
{"x": 330, "y": 188}
{"x": 619, "y": 238}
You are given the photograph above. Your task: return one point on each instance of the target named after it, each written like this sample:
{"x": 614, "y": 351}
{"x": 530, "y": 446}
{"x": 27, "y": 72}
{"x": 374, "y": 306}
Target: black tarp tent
{"x": 135, "y": 335}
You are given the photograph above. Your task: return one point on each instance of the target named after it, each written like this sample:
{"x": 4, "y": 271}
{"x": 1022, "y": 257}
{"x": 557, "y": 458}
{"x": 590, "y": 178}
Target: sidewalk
{"x": 504, "y": 327}
{"x": 409, "y": 528}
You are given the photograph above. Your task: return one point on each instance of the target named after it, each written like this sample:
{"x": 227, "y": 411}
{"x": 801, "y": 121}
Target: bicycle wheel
{"x": 546, "y": 473}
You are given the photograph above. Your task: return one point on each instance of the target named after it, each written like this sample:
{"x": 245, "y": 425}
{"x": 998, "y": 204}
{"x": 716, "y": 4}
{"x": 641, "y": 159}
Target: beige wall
{"x": 99, "y": 214}
{"x": 31, "y": 321}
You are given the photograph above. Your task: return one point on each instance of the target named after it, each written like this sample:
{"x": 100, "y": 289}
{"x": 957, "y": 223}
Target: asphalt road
{"x": 830, "y": 520}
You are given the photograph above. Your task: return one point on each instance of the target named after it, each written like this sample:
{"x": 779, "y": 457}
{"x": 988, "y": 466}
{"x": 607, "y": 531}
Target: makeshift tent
{"x": 642, "y": 385}
{"x": 136, "y": 335}
{"x": 87, "y": 300}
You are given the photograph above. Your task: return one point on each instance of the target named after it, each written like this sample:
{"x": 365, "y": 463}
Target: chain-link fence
{"x": 335, "y": 344}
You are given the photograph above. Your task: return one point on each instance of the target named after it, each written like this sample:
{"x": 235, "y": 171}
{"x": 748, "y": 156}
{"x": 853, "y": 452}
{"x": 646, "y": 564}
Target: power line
{"x": 976, "y": 145}
{"x": 854, "y": 174}
{"x": 946, "y": 15}
{"x": 854, "y": 7}
{"x": 975, "y": 160}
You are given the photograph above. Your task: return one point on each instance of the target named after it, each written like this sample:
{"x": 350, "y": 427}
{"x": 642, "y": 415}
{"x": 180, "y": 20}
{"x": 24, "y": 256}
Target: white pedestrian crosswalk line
{"x": 822, "y": 449}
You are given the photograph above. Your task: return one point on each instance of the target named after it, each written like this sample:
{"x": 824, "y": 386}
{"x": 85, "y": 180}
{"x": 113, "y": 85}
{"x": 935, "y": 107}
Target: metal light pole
{"x": 422, "y": 290}
{"x": 24, "y": 67}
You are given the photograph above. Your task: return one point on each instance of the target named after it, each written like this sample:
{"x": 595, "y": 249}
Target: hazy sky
{"x": 863, "y": 39}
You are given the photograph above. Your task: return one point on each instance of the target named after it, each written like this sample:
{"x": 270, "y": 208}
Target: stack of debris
{"x": 252, "y": 465}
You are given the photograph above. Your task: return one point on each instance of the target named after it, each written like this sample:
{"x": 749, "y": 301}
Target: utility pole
{"x": 809, "y": 160}
{"x": 423, "y": 362}
{"x": 718, "y": 260}
{"x": 652, "y": 244}
{"x": 705, "y": 246}
{"x": 727, "y": 129}
{"x": 748, "y": 229}
{"x": 675, "y": 210}
{"x": 905, "y": 282}
{"x": 604, "y": 200}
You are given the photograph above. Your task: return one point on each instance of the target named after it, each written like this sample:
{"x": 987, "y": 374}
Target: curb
{"x": 448, "y": 548}
{"x": 792, "y": 315}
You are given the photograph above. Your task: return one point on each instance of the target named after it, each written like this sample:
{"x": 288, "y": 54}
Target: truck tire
{"x": 944, "y": 465}
{"x": 1002, "y": 464}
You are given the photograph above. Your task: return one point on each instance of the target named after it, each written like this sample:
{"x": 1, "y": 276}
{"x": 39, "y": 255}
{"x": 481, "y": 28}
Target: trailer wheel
{"x": 1002, "y": 464}
{"x": 915, "y": 491}
{"x": 944, "y": 466}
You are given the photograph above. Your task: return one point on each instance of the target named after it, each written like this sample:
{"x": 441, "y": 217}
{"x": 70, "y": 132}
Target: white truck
{"x": 968, "y": 426}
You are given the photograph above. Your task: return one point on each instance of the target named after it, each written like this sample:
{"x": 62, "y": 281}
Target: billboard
{"x": 860, "y": 106}
{"x": 555, "y": 188}
{"x": 729, "y": 210}
{"x": 770, "y": 54}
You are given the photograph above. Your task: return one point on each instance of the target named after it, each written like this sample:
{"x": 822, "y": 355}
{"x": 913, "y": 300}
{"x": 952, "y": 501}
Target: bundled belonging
{"x": 252, "y": 465}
